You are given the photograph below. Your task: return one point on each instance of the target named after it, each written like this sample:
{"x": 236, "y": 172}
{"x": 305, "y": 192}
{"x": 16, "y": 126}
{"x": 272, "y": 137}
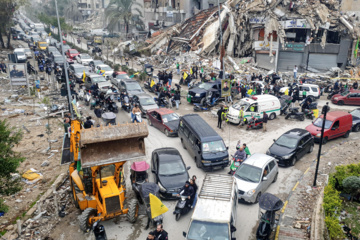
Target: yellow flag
{"x": 191, "y": 72}
{"x": 156, "y": 206}
{"x": 84, "y": 75}
{"x": 185, "y": 75}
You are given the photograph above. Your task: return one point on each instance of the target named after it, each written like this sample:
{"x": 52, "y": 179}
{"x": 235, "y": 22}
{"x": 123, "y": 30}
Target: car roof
{"x": 167, "y": 151}
{"x": 75, "y": 65}
{"x": 162, "y": 111}
{"x": 143, "y": 95}
{"x": 129, "y": 80}
{"x": 297, "y": 132}
{"x": 331, "y": 116}
{"x": 103, "y": 65}
{"x": 308, "y": 85}
{"x": 354, "y": 91}
{"x": 71, "y": 48}
{"x": 258, "y": 160}
{"x": 200, "y": 127}
{"x": 120, "y": 73}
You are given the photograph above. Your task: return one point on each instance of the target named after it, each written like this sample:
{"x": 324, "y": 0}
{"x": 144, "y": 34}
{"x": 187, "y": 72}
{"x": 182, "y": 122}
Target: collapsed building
{"x": 313, "y": 35}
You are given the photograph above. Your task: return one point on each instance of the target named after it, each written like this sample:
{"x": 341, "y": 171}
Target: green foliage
{"x": 116, "y": 67}
{"x": 124, "y": 68}
{"x": 344, "y": 171}
{"x": 353, "y": 219}
{"x": 334, "y": 228}
{"x": 143, "y": 76}
{"x": 351, "y": 184}
{"x": 3, "y": 206}
{"x": 9, "y": 160}
{"x": 52, "y": 21}
{"x": 331, "y": 201}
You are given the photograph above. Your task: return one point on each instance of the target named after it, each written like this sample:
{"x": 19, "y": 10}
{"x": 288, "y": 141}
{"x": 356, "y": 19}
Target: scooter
{"x": 268, "y": 220}
{"x": 99, "y": 231}
{"x": 295, "y": 114}
{"x": 235, "y": 165}
{"x": 111, "y": 105}
{"x": 332, "y": 93}
{"x": 41, "y": 67}
{"x": 181, "y": 207}
{"x": 309, "y": 114}
{"x": 137, "y": 117}
{"x": 125, "y": 104}
{"x": 161, "y": 102}
{"x": 254, "y": 123}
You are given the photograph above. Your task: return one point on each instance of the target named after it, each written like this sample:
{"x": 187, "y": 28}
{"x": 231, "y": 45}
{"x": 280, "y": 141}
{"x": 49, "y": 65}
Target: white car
{"x": 311, "y": 90}
{"x": 28, "y": 52}
{"x": 84, "y": 59}
{"x": 103, "y": 67}
{"x": 20, "y": 54}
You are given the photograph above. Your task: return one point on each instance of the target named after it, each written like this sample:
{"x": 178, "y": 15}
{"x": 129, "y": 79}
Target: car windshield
{"x": 205, "y": 86}
{"x": 355, "y": 113}
{"x": 285, "y": 141}
{"x": 133, "y": 86}
{"x": 58, "y": 59}
{"x": 319, "y": 121}
{"x": 201, "y": 230}
{"x": 240, "y": 104}
{"x": 98, "y": 79}
{"x": 213, "y": 147}
{"x": 20, "y": 53}
{"x": 171, "y": 167}
{"x": 85, "y": 56}
{"x": 345, "y": 93}
{"x": 147, "y": 101}
{"x": 106, "y": 171}
{"x": 98, "y": 62}
{"x": 170, "y": 117}
{"x": 79, "y": 69}
{"x": 248, "y": 173}
{"x": 73, "y": 51}
{"x": 106, "y": 68}
{"x": 122, "y": 76}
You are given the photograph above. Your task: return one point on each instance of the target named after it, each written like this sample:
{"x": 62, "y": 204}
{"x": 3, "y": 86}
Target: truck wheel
{"x": 272, "y": 116}
{"x": 85, "y": 217}
{"x": 347, "y": 134}
{"x": 198, "y": 163}
{"x": 287, "y": 116}
{"x": 133, "y": 212}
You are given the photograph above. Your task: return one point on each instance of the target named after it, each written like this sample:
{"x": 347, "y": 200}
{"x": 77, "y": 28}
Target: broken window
{"x": 331, "y": 37}
{"x": 262, "y": 35}
{"x": 296, "y": 35}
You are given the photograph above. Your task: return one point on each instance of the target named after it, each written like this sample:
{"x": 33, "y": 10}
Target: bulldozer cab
{"x": 97, "y": 170}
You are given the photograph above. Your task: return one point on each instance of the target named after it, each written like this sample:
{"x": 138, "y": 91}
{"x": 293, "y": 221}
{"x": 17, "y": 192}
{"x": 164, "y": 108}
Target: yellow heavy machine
{"x": 97, "y": 159}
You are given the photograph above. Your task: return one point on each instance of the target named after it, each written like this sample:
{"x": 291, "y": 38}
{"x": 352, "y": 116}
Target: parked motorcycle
{"x": 332, "y": 93}
{"x": 161, "y": 102}
{"x": 295, "y": 114}
{"x": 235, "y": 164}
{"x": 269, "y": 219}
{"x": 285, "y": 102}
{"x": 309, "y": 114}
{"x": 181, "y": 207}
{"x": 254, "y": 123}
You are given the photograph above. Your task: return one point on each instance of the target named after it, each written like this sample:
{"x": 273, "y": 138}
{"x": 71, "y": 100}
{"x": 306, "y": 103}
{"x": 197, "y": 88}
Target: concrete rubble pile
{"x": 241, "y": 20}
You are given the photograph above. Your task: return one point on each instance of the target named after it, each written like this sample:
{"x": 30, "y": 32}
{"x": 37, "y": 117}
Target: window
{"x": 186, "y": 132}
{"x": 314, "y": 89}
{"x": 192, "y": 138}
{"x": 353, "y": 95}
{"x": 271, "y": 165}
{"x": 336, "y": 125}
{"x": 302, "y": 141}
{"x": 266, "y": 171}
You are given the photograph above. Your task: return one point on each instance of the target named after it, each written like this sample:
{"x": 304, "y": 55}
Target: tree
{"x": 9, "y": 159}
{"x": 123, "y": 11}
{"x": 7, "y": 9}
{"x": 352, "y": 185}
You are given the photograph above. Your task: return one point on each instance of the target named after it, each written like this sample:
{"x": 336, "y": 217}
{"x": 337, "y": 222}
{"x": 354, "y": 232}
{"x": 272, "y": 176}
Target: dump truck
{"x": 97, "y": 157}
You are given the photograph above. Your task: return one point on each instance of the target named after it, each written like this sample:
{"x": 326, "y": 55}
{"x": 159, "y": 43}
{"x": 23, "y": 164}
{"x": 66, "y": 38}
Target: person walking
{"x": 178, "y": 68}
{"x": 177, "y": 99}
{"x": 295, "y": 71}
{"x": 246, "y": 149}
{"x": 265, "y": 119}
{"x": 202, "y": 73}
{"x": 193, "y": 198}
{"x": 241, "y": 117}
{"x": 355, "y": 85}
{"x": 220, "y": 113}
{"x": 160, "y": 233}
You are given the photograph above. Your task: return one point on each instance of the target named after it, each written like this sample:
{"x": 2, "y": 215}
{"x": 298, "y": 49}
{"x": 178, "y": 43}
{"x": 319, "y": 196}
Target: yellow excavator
{"x": 97, "y": 157}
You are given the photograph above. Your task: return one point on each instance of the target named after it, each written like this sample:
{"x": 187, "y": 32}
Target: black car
{"x": 130, "y": 87}
{"x": 355, "y": 120}
{"x": 169, "y": 171}
{"x": 198, "y": 94}
{"x": 291, "y": 146}
{"x": 146, "y": 102}
{"x": 58, "y": 60}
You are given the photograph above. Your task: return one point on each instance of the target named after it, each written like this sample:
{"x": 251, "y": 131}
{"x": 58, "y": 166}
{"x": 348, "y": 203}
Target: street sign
{"x": 18, "y": 75}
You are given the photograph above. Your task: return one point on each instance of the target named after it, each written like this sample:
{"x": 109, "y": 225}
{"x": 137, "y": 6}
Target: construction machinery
{"x": 97, "y": 159}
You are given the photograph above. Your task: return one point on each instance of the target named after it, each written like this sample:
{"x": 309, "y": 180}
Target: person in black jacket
{"x": 219, "y": 113}
{"x": 151, "y": 236}
{"x": 88, "y": 123}
{"x": 177, "y": 99}
{"x": 195, "y": 187}
{"x": 265, "y": 119}
{"x": 160, "y": 233}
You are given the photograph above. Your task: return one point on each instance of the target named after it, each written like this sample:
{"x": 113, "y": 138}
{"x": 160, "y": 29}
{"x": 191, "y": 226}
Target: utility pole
{"x": 65, "y": 62}
{"x": 324, "y": 111}
{"x": 221, "y": 44}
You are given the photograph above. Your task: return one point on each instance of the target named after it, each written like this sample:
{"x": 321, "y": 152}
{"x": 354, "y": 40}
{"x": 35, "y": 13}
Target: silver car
{"x": 255, "y": 175}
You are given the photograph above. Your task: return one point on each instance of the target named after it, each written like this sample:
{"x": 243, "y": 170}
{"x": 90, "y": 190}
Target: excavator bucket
{"x": 113, "y": 143}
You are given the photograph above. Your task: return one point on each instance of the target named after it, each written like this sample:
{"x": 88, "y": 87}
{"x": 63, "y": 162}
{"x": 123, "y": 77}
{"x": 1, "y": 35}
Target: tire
{"x": 357, "y": 128}
{"x": 272, "y": 116}
{"x": 133, "y": 212}
{"x": 149, "y": 122}
{"x": 287, "y": 116}
{"x": 325, "y": 140}
{"x": 340, "y": 103}
{"x": 275, "y": 179}
{"x": 311, "y": 148}
{"x": 293, "y": 161}
{"x": 247, "y": 128}
{"x": 73, "y": 191}
{"x": 302, "y": 118}
{"x": 177, "y": 216}
{"x": 182, "y": 143}
{"x": 347, "y": 134}
{"x": 166, "y": 133}
{"x": 85, "y": 217}
{"x": 257, "y": 197}
{"x": 198, "y": 163}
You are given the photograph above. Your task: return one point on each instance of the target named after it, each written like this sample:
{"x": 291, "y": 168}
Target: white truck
{"x": 214, "y": 216}
{"x": 255, "y": 105}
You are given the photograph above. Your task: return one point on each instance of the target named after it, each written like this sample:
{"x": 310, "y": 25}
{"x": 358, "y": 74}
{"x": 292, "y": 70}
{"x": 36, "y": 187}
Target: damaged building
{"x": 313, "y": 35}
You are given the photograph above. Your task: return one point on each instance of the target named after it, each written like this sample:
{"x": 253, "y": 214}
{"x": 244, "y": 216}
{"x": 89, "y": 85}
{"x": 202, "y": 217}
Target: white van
{"x": 255, "y": 105}
{"x": 214, "y": 216}
{"x": 311, "y": 90}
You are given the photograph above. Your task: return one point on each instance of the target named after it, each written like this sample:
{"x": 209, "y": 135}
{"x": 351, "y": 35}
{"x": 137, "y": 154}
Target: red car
{"x": 351, "y": 97}
{"x": 72, "y": 53}
{"x": 165, "y": 120}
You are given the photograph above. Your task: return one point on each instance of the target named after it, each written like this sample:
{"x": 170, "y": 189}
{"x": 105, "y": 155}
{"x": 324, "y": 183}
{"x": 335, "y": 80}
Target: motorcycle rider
{"x": 195, "y": 187}
{"x": 188, "y": 191}
{"x": 134, "y": 111}
{"x": 306, "y": 103}
{"x": 177, "y": 99}
{"x": 240, "y": 154}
